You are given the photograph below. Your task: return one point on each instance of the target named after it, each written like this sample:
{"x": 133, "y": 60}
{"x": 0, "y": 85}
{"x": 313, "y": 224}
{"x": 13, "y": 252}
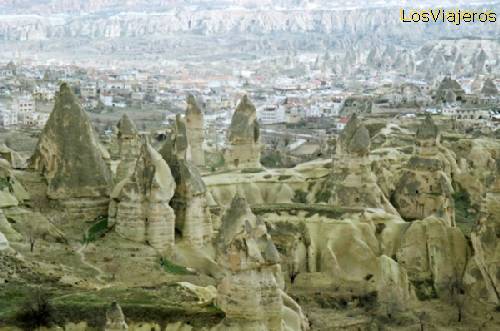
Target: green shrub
{"x": 97, "y": 230}
{"x": 272, "y": 160}
{"x": 35, "y": 312}
{"x": 4, "y": 183}
{"x": 464, "y": 218}
{"x": 173, "y": 268}
{"x": 300, "y": 197}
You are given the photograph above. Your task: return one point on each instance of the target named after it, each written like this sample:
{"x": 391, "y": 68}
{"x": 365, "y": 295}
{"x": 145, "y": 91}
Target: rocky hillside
{"x": 101, "y": 25}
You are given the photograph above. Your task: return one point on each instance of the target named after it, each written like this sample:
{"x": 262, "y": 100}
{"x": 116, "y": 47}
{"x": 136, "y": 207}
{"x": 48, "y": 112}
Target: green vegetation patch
{"x": 300, "y": 196}
{"x": 463, "y": 217}
{"x": 272, "y": 160}
{"x": 97, "y": 230}
{"x": 173, "y": 268}
{"x": 162, "y": 304}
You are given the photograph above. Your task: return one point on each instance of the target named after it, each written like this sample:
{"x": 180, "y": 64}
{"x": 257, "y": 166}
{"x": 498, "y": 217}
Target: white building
{"x": 24, "y": 106}
{"x": 89, "y": 90}
{"x": 8, "y": 117}
{"x": 313, "y": 111}
{"x": 271, "y": 114}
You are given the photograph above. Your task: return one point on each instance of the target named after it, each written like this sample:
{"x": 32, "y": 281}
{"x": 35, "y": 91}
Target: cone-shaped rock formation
{"x": 68, "y": 155}
{"x": 244, "y": 137}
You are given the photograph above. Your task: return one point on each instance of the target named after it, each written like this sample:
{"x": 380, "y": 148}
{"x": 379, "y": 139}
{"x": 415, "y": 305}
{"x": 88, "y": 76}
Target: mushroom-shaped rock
{"x": 250, "y": 293}
{"x": 126, "y": 127}
{"x": 129, "y": 146}
{"x": 140, "y": 203}
{"x": 193, "y": 218}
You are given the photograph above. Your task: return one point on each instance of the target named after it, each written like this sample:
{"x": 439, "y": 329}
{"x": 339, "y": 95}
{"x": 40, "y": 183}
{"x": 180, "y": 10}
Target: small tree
{"x": 36, "y": 311}
{"x": 456, "y": 292}
{"x": 33, "y": 232}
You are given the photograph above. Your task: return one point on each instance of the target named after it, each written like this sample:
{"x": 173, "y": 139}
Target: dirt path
{"x": 100, "y": 273}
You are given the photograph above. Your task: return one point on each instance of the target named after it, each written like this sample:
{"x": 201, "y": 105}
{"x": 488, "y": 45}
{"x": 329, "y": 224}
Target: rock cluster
{"x": 194, "y": 126}
{"x": 190, "y": 198}
{"x": 244, "y": 137}
{"x": 424, "y": 188}
{"x": 352, "y": 181}
{"x": 140, "y": 206}
{"x": 69, "y": 157}
{"x": 250, "y": 292}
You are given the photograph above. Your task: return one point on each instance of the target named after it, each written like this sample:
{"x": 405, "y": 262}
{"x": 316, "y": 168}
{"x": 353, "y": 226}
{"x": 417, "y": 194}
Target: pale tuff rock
{"x": 15, "y": 160}
{"x": 353, "y": 253}
{"x": 181, "y": 147}
{"x": 194, "y": 125}
{"x": 115, "y": 320}
{"x": 250, "y": 293}
{"x": 12, "y": 192}
{"x": 140, "y": 203}
{"x": 193, "y": 218}
{"x": 482, "y": 278}
{"x": 433, "y": 253}
{"x": 352, "y": 182}
{"x": 244, "y": 137}
{"x": 489, "y": 88}
{"x": 448, "y": 84}
{"x": 69, "y": 157}
{"x": 425, "y": 188}
{"x": 4, "y": 244}
{"x": 129, "y": 147}
{"x": 451, "y": 97}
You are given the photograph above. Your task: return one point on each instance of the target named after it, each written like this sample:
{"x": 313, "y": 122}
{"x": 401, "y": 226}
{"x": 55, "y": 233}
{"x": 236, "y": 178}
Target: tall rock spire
{"x": 193, "y": 218}
{"x": 195, "y": 134}
{"x": 244, "y": 137}
{"x": 68, "y": 155}
{"x": 129, "y": 146}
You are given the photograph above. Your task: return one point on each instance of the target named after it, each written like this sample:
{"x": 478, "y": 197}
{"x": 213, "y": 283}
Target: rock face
{"x": 448, "y": 84}
{"x": 352, "y": 182}
{"x": 244, "y": 137}
{"x": 140, "y": 206}
{"x": 434, "y": 255}
{"x": 250, "y": 292}
{"x": 4, "y": 244}
{"x": 424, "y": 188}
{"x": 190, "y": 199}
{"x": 129, "y": 147}
{"x": 482, "y": 278}
{"x": 195, "y": 134}
{"x": 14, "y": 159}
{"x": 489, "y": 88}
{"x": 115, "y": 320}
{"x": 68, "y": 155}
